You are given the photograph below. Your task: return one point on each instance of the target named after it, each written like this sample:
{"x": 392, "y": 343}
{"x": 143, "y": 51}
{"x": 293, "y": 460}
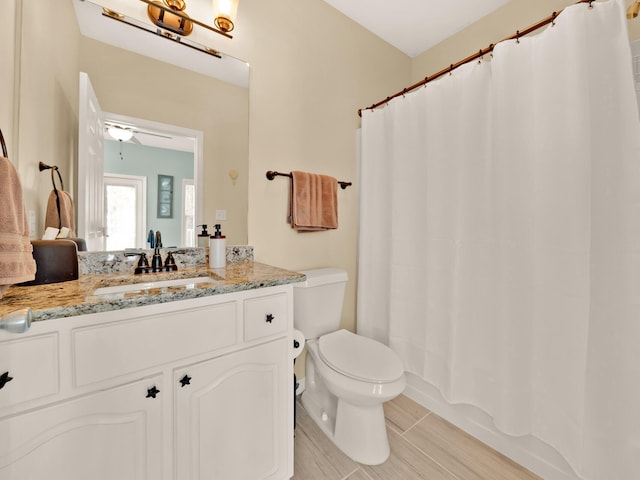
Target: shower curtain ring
{"x": 480, "y": 56}
{"x": 451, "y": 69}
{"x": 517, "y": 36}
{"x": 553, "y": 20}
{"x": 590, "y": 4}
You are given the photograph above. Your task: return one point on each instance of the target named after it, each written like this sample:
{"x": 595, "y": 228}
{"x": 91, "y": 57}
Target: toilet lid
{"x": 360, "y": 357}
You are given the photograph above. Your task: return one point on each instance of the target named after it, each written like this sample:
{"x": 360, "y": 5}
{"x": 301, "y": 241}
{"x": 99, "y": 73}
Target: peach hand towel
{"x": 16, "y": 258}
{"x": 67, "y": 215}
{"x": 314, "y": 202}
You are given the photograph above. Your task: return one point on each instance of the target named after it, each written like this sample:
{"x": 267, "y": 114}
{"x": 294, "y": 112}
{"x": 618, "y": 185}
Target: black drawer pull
{"x": 184, "y": 381}
{"x": 4, "y": 379}
{"x": 269, "y": 318}
{"x": 152, "y": 392}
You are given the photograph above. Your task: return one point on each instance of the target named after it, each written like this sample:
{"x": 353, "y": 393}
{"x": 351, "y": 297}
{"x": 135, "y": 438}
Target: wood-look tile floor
{"x": 423, "y": 446}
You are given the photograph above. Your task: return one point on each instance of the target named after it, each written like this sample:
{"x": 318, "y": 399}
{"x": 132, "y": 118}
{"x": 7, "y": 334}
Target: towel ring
{"x": 43, "y": 166}
{"x": 54, "y": 168}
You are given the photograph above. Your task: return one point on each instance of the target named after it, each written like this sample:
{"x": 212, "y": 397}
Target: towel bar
{"x": 271, "y": 174}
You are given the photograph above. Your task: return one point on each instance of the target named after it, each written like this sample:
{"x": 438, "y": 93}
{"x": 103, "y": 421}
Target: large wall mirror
{"x": 135, "y": 77}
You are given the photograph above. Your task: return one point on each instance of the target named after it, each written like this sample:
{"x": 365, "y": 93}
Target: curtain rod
{"x": 519, "y": 33}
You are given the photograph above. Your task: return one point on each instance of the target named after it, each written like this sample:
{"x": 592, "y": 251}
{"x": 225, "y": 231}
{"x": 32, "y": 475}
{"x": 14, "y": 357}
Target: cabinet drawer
{"x": 32, "y": 365}
{"x": 265, "y": 316}
{"x": 113, "y": 349}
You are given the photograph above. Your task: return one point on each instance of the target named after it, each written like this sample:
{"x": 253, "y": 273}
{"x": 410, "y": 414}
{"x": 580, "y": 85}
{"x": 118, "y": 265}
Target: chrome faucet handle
{"x": 16, "y": 322}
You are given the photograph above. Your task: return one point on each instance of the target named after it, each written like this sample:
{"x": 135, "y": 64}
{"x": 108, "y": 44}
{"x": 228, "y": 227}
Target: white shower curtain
{"x": 500, "y": 238}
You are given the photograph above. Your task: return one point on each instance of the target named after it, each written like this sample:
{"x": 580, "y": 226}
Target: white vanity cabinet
{"x": 229, "y": 416}
{"x": 114, "y": 434}
{"x": 185, "y": 390}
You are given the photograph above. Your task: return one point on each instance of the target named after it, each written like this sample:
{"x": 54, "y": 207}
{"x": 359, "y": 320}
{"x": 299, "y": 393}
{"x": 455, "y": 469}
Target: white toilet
{"x": 348, "y": 377}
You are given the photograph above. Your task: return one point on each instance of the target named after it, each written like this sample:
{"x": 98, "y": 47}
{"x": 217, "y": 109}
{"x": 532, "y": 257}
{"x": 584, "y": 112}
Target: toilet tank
{"x": 317, "y": 302}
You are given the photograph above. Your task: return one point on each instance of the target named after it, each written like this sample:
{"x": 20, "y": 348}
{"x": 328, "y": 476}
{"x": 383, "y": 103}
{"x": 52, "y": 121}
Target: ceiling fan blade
{"x": 133, "y": 128}
{"x": 153, "y": 134}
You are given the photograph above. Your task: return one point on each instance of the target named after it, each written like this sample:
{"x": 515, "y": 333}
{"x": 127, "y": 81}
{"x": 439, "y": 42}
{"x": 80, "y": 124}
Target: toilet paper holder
{"x": 298, "y": 343}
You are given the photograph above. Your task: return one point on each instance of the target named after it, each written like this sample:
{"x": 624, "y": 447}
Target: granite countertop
{"x": 76, "y": 297}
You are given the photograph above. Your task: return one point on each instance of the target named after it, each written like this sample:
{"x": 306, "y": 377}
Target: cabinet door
{"x": 231, "y": 416}
{"x": 115, "y": 434}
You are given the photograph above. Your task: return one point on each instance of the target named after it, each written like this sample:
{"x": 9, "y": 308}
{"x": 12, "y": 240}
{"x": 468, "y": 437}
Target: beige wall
{"x": 311, "y": 69}
{"x": 130, "y": 84}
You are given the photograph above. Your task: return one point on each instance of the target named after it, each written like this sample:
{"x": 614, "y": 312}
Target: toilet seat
{"x": 360, "y": 357}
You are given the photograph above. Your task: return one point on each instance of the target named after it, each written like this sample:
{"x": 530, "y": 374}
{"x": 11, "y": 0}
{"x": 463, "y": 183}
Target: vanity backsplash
{"x": 91, "y": 263}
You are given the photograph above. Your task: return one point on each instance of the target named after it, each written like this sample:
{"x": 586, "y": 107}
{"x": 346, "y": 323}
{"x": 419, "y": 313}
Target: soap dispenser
{"x": 203, "y": 237}
{"x": 217, "y": 249}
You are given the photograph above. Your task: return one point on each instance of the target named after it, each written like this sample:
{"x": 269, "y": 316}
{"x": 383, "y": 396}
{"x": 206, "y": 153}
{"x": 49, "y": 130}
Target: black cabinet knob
{"x": 152, "y": 392}
{"x": 4, "y": 379}
{"x": 269, "y": 318}
{"x": 186, "y": 380}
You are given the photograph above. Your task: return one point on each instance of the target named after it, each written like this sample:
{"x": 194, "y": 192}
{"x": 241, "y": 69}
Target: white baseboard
{"x": 528, "y": 451}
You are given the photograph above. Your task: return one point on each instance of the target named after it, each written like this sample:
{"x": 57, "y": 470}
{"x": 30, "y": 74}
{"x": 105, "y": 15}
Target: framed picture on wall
{"x": 165, "y": 196}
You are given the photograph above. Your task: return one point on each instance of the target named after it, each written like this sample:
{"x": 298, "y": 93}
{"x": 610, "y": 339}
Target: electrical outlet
{"x": 221, "y": 214}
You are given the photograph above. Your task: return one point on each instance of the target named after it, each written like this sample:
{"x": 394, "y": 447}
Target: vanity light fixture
{"x": 120, "y": 133}
{"x": 634, "y": 8}
{"x": 224, "y": 14}
{"x": 171, "y": 16}
{"x": 168, "y": 19}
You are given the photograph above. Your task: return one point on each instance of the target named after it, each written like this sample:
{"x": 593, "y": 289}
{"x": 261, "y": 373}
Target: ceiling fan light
{"x": 224, "y": 14}
{"x": 120, "y": 133}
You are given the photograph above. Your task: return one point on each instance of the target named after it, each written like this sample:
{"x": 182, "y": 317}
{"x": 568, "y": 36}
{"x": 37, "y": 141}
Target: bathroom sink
{"x": 137, "y": 287}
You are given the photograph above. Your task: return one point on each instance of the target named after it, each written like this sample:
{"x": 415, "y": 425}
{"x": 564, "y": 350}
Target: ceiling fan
{"x": 125, "y": 133}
